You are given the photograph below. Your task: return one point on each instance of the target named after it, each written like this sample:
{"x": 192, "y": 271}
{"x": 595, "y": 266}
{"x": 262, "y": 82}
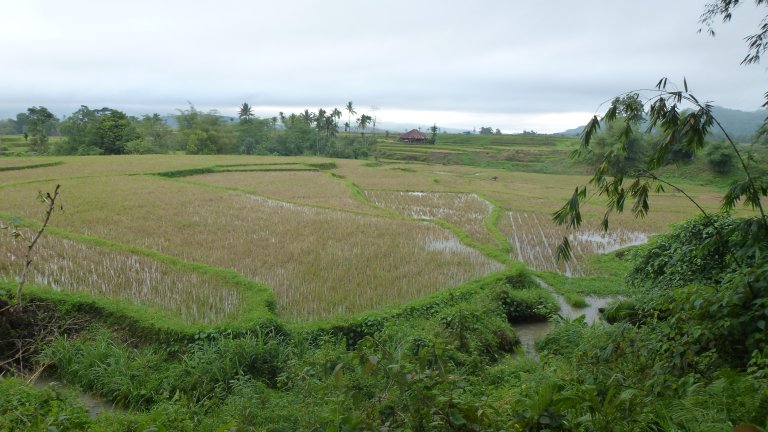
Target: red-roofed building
{"x": 413, "y": 136}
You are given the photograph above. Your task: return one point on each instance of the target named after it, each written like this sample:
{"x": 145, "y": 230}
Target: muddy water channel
{"x": 95, "y": 406}
{"x": 530, "y": 332}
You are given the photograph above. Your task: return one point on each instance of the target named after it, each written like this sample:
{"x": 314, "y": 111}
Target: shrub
{"x": 564, "y": 338}
{"x": 525, "y": 305}
{"x": 707, "y": 284}
{"x": 720, "y": 157}
{"x": 478, "y": 331}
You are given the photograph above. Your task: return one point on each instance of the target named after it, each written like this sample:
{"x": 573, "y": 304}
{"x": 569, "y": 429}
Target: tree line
{"x": 110, "y": 131}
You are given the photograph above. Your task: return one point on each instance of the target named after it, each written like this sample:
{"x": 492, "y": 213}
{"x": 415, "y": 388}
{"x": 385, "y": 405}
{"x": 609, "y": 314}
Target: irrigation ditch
{"x": 529, "y": 333}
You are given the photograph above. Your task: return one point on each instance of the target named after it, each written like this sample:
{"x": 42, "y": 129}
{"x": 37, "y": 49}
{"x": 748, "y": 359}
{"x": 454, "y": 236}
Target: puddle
{"x": 591, "y": 313}
{"x": 529, "y": 333}
{"x": 604, "y": 242}
{"x": 94, "y": 406}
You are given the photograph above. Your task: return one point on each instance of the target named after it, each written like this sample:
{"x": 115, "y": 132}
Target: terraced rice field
{"x": 69, "y": 265}
{"x": 535, "y": 239}
{"x": 356, "y": 237}
{"x": 467, "y": 211}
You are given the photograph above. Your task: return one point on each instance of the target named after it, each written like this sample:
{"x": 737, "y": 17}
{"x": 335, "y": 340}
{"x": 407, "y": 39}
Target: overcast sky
{"x": 508, "y": 64}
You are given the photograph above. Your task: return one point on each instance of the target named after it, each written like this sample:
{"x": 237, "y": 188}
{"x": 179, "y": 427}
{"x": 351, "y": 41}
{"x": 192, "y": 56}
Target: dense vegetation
{"x": 676, "y": 358}
{"x": 110, "y": 131}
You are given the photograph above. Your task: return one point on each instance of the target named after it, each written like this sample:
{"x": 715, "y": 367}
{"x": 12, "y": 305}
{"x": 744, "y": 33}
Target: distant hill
{"x": 740, "y": 125}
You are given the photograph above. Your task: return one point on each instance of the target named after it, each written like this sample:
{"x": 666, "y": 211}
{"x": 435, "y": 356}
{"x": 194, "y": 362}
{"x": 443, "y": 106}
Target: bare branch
{"x": 51, "y": 201}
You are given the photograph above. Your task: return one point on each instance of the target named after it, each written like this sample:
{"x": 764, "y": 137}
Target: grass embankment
{"x": 20, "y": 166}
{"x": 513, "y": 289}
{"x": 206, "y": 374}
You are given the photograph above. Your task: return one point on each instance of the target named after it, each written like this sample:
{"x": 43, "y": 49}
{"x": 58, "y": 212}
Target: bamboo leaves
{"x": 681, "y": 121}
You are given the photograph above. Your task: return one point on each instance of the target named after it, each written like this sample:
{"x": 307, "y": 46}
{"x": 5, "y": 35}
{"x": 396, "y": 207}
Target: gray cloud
{"x": 482, "y": 56}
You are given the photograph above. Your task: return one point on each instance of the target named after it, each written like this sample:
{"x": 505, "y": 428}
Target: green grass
{"x": 608, "y": 279}
{"x": 575, "y": 300}
{"x": 532, "y": 153}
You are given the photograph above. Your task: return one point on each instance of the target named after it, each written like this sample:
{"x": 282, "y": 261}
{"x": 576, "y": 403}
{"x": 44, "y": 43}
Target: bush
{"x": 479, "y": 330}
{"x": 564, "y": 338}
{"x": 720, "y": 157}
{"x": 139, "y": 378}
{"x": 525, "y": 305}
{"x": 705, "y": 287}
{"x": 695, "y": 251}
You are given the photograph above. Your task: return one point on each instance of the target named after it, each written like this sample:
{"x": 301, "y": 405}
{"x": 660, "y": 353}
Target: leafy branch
{"x": 682, "y": 121}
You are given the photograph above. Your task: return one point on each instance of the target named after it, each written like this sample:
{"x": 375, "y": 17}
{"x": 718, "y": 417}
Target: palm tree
{"x": 246, "y": 112}
{"x": 362, "y": 123}
{"x": 374, "y": 108}
{"x": 308, "y": 117}
{"x": 320, "y": 118}
{"x": 331, "y": 126}
{"x": 350, "y": 111}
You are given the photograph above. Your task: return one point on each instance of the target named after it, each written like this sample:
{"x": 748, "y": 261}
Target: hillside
{"x": 740, "y": 125}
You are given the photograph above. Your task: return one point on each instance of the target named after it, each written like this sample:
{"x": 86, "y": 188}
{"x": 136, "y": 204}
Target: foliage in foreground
{"x": 677, "y": 363}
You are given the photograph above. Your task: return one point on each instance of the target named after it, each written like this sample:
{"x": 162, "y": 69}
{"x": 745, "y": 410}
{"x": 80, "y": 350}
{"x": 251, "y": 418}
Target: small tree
{"x": 40, "y": 124}
{"x": 50, "y": 202}
{"x": 434, "y": 129}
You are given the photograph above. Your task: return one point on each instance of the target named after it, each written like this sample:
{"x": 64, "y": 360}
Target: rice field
{"x": 320, "y": 263}
{"x": 361, "y": 236}
{"x": 535, "y": 239}
{"x": 311, "y": 188}
{"x": 68, "y": 265}
{"x": 466, "y": 211}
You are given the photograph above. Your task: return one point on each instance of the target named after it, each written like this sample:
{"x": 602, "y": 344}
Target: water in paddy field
{"x": 529, "y": 333}
{"x": 604, "y": 242}
{"x": 535, "y": 239}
